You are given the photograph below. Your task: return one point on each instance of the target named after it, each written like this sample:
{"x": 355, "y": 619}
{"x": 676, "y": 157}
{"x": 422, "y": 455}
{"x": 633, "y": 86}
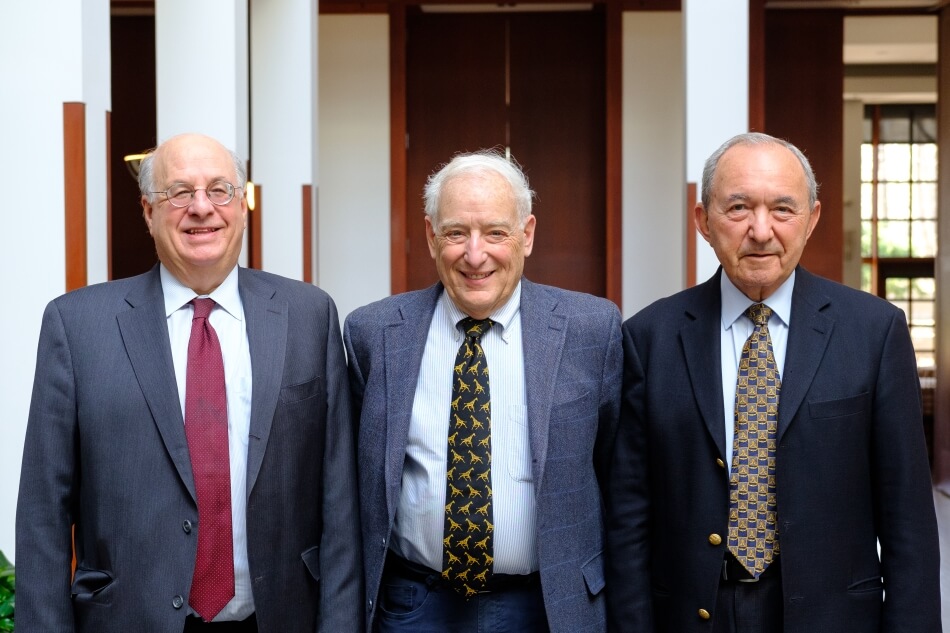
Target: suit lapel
{"x": 266, "y": 319}
{"x": 543, "y": 332}
{"x": 404, "y": 340}
{"x": 808, "y": 336}
{"x": 144, "y": 332}
{"x": 701, "y": 340}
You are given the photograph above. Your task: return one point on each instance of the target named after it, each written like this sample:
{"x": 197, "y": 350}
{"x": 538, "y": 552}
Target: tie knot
{"x": 759, "y": 313}
{"x": 474, "y": 328}
{"x": 203, "y": 308}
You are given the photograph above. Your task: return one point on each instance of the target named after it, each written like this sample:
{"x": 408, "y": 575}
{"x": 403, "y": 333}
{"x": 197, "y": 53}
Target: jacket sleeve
{"x": 341, "y": 599}
{"x": 49, "y": 484}
{"x": 904, "y": 508}
{"x": 629, "y": 598}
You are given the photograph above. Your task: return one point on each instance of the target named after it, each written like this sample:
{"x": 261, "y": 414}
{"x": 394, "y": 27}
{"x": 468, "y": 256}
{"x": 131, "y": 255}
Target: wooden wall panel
{"x": 306, "y": 199}
{"x": 255, "y": 226}
{"x": 804, "y": 75}
{"x": 942, "y": 264}
{"x": 74, "y": 179}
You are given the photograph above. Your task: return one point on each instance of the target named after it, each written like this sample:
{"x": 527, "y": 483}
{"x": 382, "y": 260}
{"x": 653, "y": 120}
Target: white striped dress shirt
{"x": 420, "y": 515}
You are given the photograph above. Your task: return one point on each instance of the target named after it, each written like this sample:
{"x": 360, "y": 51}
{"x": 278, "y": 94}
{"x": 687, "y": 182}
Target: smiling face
{"x": 479, "y": 245}
{"x": 759, "y": 219}
{"x": 200, "y": 243}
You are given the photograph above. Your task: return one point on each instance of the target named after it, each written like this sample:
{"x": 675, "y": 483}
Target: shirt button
{"x": 177, "y": 602}
{"x": 704, "y": 614}
{"x": 715, "y": 539}
{"x": 186, "y": 526}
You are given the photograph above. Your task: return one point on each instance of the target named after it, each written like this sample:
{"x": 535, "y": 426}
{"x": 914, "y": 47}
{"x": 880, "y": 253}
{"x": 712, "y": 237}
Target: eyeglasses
{"x": 219, "y": 193}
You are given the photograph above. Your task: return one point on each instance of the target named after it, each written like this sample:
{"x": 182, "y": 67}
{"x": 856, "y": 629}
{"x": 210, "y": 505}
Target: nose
{"x": 760, "y": 225}
{"x": 200, "y": 204}
{"x": 475, "y": 249}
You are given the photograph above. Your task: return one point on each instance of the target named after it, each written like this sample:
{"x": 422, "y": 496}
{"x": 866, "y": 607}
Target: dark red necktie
{"x": 206, "y": 427}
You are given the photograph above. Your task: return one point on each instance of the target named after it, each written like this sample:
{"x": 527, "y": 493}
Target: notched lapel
{"x": 145, "y": 335}
{"x": 543, "y": 332}
{"x": 404, "y": 341}
{"x": 266, "y": 317}
{"x": 808, "y": 336}
{"x": 701, "y": 347}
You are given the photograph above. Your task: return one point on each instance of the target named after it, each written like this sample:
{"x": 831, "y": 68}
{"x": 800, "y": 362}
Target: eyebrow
{"x": 781, "y": 200}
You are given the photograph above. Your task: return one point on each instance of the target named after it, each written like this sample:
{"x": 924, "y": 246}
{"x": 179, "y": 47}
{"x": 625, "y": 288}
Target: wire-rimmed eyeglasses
{"x": 219, "y": 193}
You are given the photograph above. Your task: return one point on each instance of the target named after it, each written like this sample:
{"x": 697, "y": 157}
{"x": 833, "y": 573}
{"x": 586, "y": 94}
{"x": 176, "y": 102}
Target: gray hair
{"x": 756, "y": 138}
{"x": 480, "y": 162}
{"x": 147, "y": 171}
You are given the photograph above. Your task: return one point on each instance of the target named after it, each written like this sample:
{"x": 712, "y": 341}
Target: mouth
{"x": 477, "y": 276}
{"x": 201, "y": 231}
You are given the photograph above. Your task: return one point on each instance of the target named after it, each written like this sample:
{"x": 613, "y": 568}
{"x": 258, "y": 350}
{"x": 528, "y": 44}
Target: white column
{"x": 355, "y": 220}
{"x": 201, "y": 65}
{"x": 38, "y": 78}
{"x": 717, "y": 91}
{"x": 654, "y": 144}
{"x": 283, "y": 130}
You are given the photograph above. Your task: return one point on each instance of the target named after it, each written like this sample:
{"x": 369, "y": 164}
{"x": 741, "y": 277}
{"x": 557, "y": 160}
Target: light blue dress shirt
{"x": 420, "y": 515}
{"x": 737, "y": 328}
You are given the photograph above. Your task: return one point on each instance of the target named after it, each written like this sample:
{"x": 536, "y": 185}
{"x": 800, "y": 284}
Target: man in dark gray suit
{"x": 770, "y": 473}
{"x": 192, "y": 425}
{"x": 539, "y": 368}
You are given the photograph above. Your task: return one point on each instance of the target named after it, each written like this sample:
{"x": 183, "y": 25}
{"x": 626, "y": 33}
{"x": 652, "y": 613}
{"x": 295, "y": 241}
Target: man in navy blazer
{"x": 849, "y": 538}
{"x": 106, "y": 449}
{"x": 555, "y": 367}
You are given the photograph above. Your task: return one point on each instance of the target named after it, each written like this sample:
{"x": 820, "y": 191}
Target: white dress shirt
{"x": 737, "y": 328}
{"x": 227, "y": 319}
{"x": 420, "y": 515}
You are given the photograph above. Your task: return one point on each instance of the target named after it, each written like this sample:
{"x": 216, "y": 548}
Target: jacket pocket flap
{"x": 311, "y": 558}
{"x": 593, "y": 571}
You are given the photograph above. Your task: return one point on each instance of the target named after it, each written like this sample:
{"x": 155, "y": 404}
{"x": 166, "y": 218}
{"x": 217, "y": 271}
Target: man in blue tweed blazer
{"x": 555, "y": 360}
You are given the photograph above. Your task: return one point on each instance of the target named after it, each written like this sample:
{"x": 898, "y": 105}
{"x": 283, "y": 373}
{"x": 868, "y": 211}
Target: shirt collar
{"x": 178, "y": 295}
{"x": 502, "y": 316}
{"x": 734, "y": 303}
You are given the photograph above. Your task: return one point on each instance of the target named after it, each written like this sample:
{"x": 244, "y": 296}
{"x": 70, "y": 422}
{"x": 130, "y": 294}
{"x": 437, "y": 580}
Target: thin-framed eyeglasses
{"x": 180, "y": 195}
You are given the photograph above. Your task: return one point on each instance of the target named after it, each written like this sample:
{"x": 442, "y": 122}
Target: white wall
{"x": 354, "y": 205}
{"x": 717, "y": 91}
{"x": 32, "y": 244}
{"x": 654, "y": 143}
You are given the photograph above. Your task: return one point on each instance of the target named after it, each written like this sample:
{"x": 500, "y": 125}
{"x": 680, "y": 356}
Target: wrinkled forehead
{"x": 477, "y": 198}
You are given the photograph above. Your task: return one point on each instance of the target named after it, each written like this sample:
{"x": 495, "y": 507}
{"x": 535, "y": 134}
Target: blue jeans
{"x": 425, "y": 606}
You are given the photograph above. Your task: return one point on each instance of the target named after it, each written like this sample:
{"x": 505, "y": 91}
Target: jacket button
{"x": 186, "y": 526}
{"x": 178, "y": 602}
{"x": 704, "y": 614}
{"x": 371, "y": 603}
{"x": 715, "y": 539}
{"x": 720, "y": 463}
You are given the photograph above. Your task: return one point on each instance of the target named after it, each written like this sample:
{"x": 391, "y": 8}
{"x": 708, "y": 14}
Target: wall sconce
{"x": 250, "y": 191}
{"x": 133, "y": 162}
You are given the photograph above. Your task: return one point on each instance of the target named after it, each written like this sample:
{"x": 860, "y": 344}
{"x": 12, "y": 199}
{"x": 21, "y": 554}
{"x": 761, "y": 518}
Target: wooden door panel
{"x": 459, "y": 67}
{"x": 558, "y": 132}
{"x": 456, "y": 102}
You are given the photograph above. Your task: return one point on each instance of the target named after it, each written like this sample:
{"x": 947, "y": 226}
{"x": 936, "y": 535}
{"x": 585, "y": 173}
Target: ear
{"x": 813, "y": 219}
{"x": 430, "y": 237}
{"x": 147, "y": 212}
{"x": 701, "y": 220}
{"x": 529, "y": 226}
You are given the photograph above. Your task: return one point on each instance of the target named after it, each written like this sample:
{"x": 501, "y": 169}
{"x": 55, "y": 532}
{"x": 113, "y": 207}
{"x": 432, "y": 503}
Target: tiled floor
{"x": 942, "y": 502}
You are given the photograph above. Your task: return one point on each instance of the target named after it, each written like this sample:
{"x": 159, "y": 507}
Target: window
{"x": 899, "y": 214}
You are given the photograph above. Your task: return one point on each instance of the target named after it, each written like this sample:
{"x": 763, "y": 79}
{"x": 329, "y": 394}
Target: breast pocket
{"x": 519, "y": 445}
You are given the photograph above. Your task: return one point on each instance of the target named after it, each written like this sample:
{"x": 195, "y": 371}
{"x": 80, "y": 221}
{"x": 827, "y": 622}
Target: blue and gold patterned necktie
{"x": 753, "y": 531}
{"x": 467, "y": 552}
